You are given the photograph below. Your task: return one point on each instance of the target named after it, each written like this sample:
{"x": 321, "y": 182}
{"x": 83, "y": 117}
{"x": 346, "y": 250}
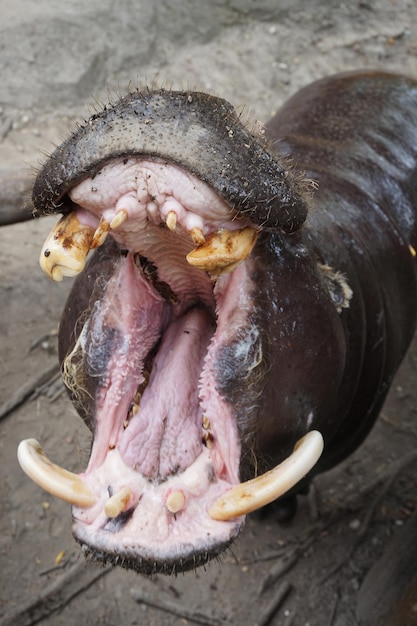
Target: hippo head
{"x": 178, "y": 343}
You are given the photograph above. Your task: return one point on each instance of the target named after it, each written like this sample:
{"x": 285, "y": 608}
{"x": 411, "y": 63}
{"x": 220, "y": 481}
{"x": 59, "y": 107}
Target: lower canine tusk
{"x": 256, "y": 493}
{"x": 65, "y": 250}
{"x": 54, "y": 479}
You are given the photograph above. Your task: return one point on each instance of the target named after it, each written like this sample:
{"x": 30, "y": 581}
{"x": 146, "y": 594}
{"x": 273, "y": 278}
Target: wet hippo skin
{"x": 248, "y": 288}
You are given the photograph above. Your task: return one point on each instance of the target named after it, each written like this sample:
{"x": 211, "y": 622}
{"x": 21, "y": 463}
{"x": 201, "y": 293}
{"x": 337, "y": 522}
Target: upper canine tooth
{"x": 197, "y": 236}
{"x": 54, "y": 479}
{"x": 100, "y": 234}
{"x": 256, "y": 493}
{"x": 120, "y": 217}
{"x": 171, "y": 221}
{"x": 66, "y": 247}
{"x": 118, "y": 502}
{"x": 223, "y": 250}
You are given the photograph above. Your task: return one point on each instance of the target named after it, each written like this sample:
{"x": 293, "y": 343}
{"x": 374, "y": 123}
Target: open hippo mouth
{"x": 164, "y": 330}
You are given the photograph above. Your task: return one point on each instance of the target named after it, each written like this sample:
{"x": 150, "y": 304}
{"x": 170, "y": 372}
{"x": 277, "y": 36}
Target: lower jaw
{"x": 147, "y": 536}
{"x": 142, "y": 560}
{"x": 147, "y": 531}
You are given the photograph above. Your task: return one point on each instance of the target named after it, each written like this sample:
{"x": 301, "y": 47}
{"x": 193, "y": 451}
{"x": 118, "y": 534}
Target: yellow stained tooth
{"x": 118, "y": 502}
{"x": 54, "y": 479}
{"x": 119, "y": 219}
{"x": 223, "y": 250}
{"x": 175, "y": 501}
{"x": 254, "y": 494}
{"x": 197, "y": 236}
{"x": 100, "y": 234}
{"x": 65, "y": 250}
{"x": 171, "y": 221}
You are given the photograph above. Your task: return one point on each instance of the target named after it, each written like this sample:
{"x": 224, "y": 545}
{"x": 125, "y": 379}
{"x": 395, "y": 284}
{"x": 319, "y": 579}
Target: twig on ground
{"x": 58, "y": 393}
{"x": 54, "y": 597}
{"x": 175, "y": 609}
{"x": 47, "y": 386}
{"x": 272, "y": 607}
{"x": 313, "y": 502}
{"x": 37, "y": 342}
{"x": 287, "y": 561}
{"x": 356, "y": 500}
{"x": 389, "y": 476}
{"x": 271, "y": 555}
{"x": 27, "y": 389}
{"x": 398, "y": 427}
{"x": 281, "y": 567}
{"x": 338, "y": 566}
{"x": 334, "y": 609}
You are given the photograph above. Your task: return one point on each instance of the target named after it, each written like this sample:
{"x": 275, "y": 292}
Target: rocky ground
{"x": 57, "y": 61}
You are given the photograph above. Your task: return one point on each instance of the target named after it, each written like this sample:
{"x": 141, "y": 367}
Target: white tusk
{"x": 54, "y": 479}
{"x": 65, "y": 250}
{"x": 256, "y": 493}
{"x": 118, "y": 502}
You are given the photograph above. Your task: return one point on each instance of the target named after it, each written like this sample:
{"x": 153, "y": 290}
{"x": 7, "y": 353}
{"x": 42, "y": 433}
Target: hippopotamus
{"x": 251, "y": 294}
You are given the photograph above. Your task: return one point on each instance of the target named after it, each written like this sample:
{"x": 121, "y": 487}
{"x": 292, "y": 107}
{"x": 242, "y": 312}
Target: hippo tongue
{"x": 164, "y": 437}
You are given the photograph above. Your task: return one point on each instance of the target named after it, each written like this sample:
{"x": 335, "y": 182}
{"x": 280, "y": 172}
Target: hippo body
{"x": 356, "y": 135}
{"x": 301, "y": 331}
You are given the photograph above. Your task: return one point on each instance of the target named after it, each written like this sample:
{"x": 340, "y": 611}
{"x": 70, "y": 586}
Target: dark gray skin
{"x": 356, "y": 134}
{"x": 194, "y": 130}
{"x": 323, "y": 367}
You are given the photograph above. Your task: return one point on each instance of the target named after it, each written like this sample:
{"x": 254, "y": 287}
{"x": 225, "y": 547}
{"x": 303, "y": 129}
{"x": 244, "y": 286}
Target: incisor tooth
{"x": 66, "y": 247}
{"x": 119, "y": 219}
{"x": 197, "y": 236}
{"x": 258, "y": 492}
{"x": 223, "y": 250}
{"x": 100, "y": 234}
{"x": 171, "y": 221}
{"x": 54, "y": 479}
{"x": 175, "y": 501}
{"x": 118, "y": 502}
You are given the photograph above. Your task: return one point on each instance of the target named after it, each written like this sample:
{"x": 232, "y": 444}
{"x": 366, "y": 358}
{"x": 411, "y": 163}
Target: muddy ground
{"x": 55, "y": 59}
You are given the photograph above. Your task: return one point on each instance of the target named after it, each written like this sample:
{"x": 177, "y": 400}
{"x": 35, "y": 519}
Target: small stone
{"x": 354, "y": 524}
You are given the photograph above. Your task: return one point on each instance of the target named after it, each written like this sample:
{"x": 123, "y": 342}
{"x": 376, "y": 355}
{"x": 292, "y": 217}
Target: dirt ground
{"x": 254, "y": 53}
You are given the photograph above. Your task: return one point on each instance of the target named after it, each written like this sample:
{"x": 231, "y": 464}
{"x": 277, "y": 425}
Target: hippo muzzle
{"x": 213, "y": 334}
